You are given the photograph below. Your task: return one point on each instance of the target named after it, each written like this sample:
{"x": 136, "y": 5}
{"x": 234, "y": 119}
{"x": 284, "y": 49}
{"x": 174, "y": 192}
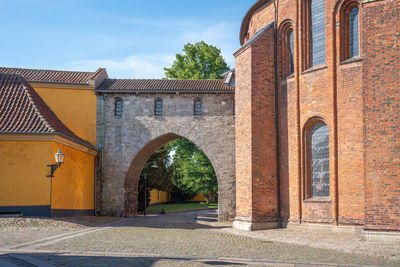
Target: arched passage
{"x": 225, "y": 210}
{"x": 129, "y": 140}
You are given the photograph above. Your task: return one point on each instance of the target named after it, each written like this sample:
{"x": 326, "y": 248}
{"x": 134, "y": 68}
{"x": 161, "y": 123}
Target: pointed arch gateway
{"x": 225, "y": 211}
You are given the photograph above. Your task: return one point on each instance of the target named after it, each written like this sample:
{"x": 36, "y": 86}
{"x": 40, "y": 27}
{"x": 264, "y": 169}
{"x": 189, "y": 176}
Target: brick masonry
{"x": 131, "y": 139}
{"x": 357, "y": 98}
{"x": 256, "y": 146}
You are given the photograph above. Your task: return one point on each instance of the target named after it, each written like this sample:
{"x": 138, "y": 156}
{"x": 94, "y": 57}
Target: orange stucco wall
{"x": 76, "y": 108}
{"x": 73, "y": 185}
{"x": 23, "y": 171}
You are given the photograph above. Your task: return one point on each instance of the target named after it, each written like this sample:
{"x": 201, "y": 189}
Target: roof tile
{"x": 160, "y": 85}
{"x": 22, "y": 110}
{"x": 52, "y": 76}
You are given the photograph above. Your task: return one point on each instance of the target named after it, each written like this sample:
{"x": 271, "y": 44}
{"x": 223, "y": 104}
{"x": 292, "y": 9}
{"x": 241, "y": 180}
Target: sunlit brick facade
{"x": 288, "y": 86}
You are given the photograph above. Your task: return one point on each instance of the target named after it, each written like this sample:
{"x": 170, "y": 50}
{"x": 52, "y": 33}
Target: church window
{"x": 319, "y": 160}
{"x": 350, "y": 30}
{"x": 354, "y": 33}
{"x": 317, "y": 32}
{"x": 290, "y": 38}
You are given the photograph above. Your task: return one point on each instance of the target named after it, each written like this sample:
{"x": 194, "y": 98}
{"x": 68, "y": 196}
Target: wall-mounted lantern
{"x": 59, "y": 157}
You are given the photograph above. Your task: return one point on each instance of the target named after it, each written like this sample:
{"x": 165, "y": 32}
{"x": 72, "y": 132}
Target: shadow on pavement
{"x": 187, "y": 220}
{"x": 55, "y": 259}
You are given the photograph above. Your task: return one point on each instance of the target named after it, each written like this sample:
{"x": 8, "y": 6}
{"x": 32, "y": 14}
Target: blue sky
{"x": 132, "y": 39}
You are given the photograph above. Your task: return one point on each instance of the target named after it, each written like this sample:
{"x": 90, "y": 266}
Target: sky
{"x": 130, "y": 38}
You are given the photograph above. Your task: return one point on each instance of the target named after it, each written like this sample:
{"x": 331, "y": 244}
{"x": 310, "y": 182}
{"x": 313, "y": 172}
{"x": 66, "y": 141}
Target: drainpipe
{"x": 95, "y": 182}
{"x": 278, "y": 180}
{"x": 102, "y": 148}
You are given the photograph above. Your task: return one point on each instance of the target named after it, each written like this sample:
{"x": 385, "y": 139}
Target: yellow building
{"x": 30, "y": 134}
{"x": 159, "y": 196}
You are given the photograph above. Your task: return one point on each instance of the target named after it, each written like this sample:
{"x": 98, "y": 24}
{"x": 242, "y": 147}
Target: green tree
{"x": 192, "y": 170}
{"x": 199, "y": 61}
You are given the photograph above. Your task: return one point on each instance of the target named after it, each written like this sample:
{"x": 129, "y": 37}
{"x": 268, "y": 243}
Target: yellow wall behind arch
{"x": 158, "y": 196}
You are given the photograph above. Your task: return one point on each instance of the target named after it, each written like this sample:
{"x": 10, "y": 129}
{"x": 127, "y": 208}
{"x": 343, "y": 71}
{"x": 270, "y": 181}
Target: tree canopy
{"x": 199, "y": 61}
{"x": 191, "y": 169}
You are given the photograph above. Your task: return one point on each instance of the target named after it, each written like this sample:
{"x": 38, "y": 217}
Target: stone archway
{"x": 130, "y": 139}
{"x": 135, "y": 169}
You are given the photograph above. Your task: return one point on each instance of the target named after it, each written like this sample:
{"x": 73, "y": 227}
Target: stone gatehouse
{"x": 135, "y": 117}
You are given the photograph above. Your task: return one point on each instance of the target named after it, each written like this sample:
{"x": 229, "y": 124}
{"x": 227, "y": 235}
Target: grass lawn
{"x": 183, "y": 206}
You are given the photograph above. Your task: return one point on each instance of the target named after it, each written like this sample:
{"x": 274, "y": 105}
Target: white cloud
{"x": 223, "y": 35}
{"x": 135, "y": 66}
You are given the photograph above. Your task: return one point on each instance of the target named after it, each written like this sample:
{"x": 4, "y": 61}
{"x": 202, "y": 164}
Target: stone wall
{"x": 130, "y": 140}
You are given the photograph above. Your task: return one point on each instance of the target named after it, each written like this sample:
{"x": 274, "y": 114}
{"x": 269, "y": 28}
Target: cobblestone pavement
{"x": 175, "y": 240}
{"x": 15, "y": 231}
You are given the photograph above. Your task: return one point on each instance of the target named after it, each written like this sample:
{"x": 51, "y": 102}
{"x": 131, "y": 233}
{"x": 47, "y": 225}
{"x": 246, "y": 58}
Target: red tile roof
{"x": 52, "y": 76}
{"x": 168, "y": 86}
{"x": 23, "y": 111}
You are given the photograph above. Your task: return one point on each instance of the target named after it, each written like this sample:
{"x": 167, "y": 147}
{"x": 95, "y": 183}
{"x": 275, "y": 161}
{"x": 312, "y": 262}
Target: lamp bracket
{"x": 53, "y": 168}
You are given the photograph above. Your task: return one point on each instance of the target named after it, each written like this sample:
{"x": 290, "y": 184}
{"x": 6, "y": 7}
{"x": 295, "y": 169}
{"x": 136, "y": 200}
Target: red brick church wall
{"x": 356, "y": 99}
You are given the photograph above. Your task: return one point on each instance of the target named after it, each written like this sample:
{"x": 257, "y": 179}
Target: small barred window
{"x": 118, "y": 107}
{"x": 158, "y": 108}
{"x": 198, "y": 108}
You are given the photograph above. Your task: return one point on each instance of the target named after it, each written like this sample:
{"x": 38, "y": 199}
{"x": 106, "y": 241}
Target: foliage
{"x": 199, "y": 61}
{"x": 160, "y": 177}
{"x": 192, "y": 171}
{"x": 179, "y": 195}
{"x": 183, "y": 170}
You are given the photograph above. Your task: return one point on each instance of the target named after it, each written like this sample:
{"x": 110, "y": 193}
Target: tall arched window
{"x": 118, "y": 107}
{"x": 354, "y": 33}
{"x": 198, "y": 108}
{"x": 158, "y": 107}
{"x": 290, "y": 37}
{"x": 319, "y": 162}
{"x": 317, "y": 32}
